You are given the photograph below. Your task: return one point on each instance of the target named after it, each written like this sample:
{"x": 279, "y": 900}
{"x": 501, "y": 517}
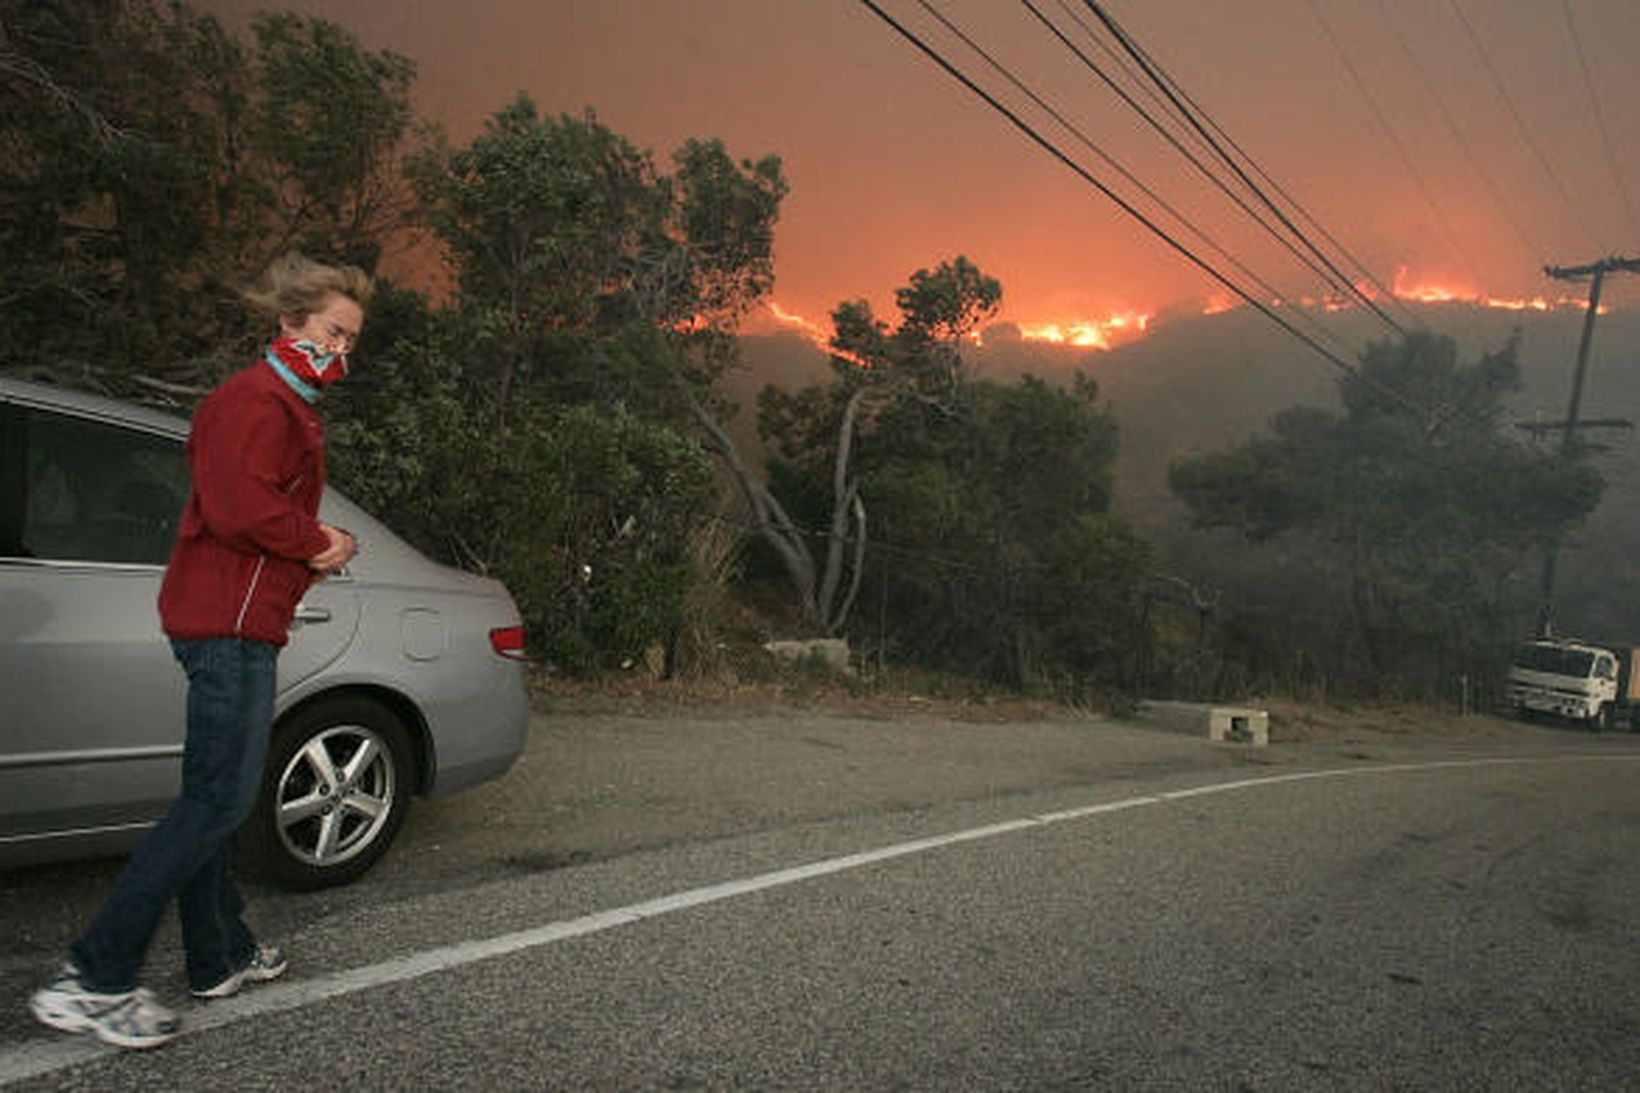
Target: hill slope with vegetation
{"x": 1196, "y": 385}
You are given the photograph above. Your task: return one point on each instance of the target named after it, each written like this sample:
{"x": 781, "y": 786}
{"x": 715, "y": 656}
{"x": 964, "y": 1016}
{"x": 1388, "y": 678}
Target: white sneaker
{"x": 267, "y": 962}
{"x": 131, "y": 1019}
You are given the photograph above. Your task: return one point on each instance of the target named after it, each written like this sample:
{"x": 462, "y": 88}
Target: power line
{"x": 1521, "y": 127}
{"x": 1457, "y": 134}
{"x": 1361, "y": 269}
{"x": 1432, "y": 416}
{"x": 1132, "y": 179}
{"x": 1057, "y": 153}
{"x": 1395, "y": 142}
{"x": 1175, "y": 95}
{"x": 1189, "y": 156}
{"x": 1599, "y": 118}
{"x": 1088, "y": 143}
{"x": 1201, "y": 167}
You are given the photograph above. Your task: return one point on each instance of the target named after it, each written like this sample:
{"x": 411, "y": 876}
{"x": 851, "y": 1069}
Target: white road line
{"x": 45, "y": 1056}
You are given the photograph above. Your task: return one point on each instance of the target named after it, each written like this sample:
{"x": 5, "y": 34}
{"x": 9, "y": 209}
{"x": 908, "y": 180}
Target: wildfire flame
{"x": 1121, "y": 327}
{"x": 809, "y": 330}
{"x": 1418, "y": 289}
{"x": 1427, "y": 291}
{"x": 1089, "y": 333}
{"x": 1086, "y": 333}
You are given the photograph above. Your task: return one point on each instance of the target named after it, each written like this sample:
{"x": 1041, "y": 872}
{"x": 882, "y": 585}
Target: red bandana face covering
{"x": 307, "y": 363}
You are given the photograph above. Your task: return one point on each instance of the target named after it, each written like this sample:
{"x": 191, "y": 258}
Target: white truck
{"x": 1576, "y": 680}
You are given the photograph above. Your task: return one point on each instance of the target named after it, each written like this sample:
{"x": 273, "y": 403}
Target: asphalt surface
{"x": 787, "y": 900}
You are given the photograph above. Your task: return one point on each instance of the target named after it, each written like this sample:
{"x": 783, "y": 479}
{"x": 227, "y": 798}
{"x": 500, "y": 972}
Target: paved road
{"x": 837, "y": 904}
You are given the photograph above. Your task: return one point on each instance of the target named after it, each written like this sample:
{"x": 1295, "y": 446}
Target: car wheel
{"x": 334, "y": 793}
{"x": 1602, "y": 719}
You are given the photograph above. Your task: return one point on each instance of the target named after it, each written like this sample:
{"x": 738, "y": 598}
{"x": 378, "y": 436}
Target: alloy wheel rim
{"x": 335, "y": 795}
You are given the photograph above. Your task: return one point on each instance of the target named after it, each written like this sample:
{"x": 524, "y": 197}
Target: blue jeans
{"x": 230, "y": 710}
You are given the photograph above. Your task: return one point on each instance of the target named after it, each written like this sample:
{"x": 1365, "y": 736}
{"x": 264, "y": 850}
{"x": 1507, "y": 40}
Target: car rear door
{"x": 91, "y": 700}
{"x": 325, "y": 622}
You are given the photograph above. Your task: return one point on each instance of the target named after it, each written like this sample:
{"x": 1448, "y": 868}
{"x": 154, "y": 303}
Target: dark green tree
{"x": 153, "y": 161}
{"x": 563, "y": 235}
{"x": 585, "y": 510}
{"x": 814, "y": 432}
{"x": 597, "y": 550}
{"x": 1006, "y": 561}
{"x": 991, "y": 543}
{"x": 1429, "y": 515}
{"x": 326, "y": 132}
{"x": 596, "y": 302}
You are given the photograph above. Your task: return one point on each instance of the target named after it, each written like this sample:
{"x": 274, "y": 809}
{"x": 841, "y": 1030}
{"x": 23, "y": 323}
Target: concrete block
{"x": 1225, "y": 724}
{"x": 831, "y": 653}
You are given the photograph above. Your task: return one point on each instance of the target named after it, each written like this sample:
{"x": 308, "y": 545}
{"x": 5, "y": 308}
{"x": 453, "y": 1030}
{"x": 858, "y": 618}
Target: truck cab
{"x": 1572, "y": 679}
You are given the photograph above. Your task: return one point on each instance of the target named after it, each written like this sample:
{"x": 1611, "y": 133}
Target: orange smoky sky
{"x": 1452, "y": 148}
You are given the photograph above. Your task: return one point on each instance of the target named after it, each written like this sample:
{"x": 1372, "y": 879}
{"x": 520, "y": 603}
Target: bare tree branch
{"x": 28, "y": 70}
{"x": 859, "y": 573}
{"x": 772, "y": 520}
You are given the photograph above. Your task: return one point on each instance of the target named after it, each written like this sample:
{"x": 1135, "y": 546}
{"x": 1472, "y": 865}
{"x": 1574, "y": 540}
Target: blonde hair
{"x": 295, "y": 286}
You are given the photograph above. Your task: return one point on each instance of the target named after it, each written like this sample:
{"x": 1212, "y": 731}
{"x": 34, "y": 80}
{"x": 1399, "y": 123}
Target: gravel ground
{"x": 646, "y": 764}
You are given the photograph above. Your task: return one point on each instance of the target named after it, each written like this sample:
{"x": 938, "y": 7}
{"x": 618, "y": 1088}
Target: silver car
{"x": 401, "y": 677}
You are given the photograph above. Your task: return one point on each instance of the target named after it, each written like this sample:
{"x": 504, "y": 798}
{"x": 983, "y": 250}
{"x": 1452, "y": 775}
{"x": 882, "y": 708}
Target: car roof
{"x": 86, "y": 404}
{"x": 388, "y": 556}
{"x": 1568, "y": 643}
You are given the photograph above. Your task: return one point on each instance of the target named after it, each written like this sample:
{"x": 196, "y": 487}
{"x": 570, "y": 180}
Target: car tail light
{"x": 508, "y": 641}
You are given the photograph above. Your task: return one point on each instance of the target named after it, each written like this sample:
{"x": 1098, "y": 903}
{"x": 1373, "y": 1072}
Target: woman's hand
{"x": 341, "y": 550}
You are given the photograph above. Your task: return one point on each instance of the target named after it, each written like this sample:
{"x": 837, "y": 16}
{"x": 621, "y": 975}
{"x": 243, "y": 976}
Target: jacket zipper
{"x": 244, "y": 608}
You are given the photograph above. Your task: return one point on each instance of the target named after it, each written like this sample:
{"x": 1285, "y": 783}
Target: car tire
{"x": 1602, "y": 719}
{"x": 334, "y": 792}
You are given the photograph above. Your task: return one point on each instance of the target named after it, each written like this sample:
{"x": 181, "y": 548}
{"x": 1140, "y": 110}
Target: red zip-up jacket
{"x": 239, "y": 566}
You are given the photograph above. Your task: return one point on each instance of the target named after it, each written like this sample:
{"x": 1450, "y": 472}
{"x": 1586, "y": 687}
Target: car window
{"x": 88, "y": 491}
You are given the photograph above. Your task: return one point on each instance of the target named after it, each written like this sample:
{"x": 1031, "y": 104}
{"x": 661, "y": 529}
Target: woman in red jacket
{"x": 248, "y": 545}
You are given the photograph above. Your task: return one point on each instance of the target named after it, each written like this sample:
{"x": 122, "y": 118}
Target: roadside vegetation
{"x": 555, "y": 414}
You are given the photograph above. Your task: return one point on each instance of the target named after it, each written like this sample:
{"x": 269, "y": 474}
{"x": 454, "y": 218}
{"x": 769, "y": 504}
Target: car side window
{"x": 88, "y": 491}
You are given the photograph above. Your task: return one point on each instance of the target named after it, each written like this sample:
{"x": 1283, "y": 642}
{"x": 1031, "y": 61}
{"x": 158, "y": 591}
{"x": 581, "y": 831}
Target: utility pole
{"x": 1596, "y": 271}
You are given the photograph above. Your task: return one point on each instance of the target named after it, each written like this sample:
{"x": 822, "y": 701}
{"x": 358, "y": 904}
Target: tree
{"x": 1428, "y": 512}
{"x": 992, "y": 547}
{"x": 585, "y": 510}
{"x": 598, "y": 551}
{"x": 1006, "y": 562}
{"x": 153, "y": 161}
{"x": 596, "y": 299}
{"x": 814, "y": 433}
{"x": 323, "y": 140}
{"x": 563, "y": 234}
{"x": 102, "y": 177}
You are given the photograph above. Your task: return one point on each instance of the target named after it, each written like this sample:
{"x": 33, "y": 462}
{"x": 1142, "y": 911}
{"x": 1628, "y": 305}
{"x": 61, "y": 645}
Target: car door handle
{"x": 305, "y": 614}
